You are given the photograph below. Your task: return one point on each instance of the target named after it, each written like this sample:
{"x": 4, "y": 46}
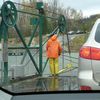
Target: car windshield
{"x": 37, "y": 51}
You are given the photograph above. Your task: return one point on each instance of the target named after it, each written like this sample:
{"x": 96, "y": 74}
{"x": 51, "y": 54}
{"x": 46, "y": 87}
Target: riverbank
{"x": 77, "y": 42}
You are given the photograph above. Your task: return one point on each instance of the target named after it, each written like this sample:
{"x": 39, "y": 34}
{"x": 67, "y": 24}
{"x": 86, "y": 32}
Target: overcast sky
{"x": 88, "y": 7}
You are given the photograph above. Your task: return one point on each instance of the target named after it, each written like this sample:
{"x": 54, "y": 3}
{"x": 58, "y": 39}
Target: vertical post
{"x": 40, "y": 43}
{"x": 41, "y": 12}
{"x": 5, "y": 53}
{"x": 39, "y": 6}
{"x": 63, "y": 51}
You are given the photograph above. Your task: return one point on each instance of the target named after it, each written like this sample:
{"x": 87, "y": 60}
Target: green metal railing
{"x": 9, "y": 15}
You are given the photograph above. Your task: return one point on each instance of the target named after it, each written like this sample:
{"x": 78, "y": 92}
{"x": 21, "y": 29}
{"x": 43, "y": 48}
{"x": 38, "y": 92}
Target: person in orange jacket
{"x": 53, "y": 51}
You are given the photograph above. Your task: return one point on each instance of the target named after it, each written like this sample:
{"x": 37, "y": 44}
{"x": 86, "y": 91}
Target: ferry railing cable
{"x": 71, "y": 57}
{"x": 31, "y": 6}
{"x": 71, "y": 61}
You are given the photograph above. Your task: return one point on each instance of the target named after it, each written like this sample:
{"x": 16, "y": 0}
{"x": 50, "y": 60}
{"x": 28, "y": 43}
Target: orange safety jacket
{"x": 53, "y": 47}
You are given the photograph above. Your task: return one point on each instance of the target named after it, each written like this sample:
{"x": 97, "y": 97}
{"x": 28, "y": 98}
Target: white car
{"x": 80, "y": 32}
{"x": 71, "y": 32}
{"x": 89, "y": 61}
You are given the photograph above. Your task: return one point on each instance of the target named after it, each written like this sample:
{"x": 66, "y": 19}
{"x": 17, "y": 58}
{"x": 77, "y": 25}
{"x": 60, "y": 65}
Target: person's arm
{"x": 47, "y": 47}
{"x": 60, "y": 48}
{"x": 48, "y": 44}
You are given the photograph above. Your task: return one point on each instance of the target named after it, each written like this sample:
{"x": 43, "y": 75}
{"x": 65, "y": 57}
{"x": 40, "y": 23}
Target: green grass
{"x": 77, "y": 42}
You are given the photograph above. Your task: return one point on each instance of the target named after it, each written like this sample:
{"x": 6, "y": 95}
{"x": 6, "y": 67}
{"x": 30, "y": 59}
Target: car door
{"x": 95, "y": 53}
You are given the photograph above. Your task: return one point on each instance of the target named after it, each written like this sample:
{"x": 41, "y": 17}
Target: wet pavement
{"x": 39, "y": 84}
